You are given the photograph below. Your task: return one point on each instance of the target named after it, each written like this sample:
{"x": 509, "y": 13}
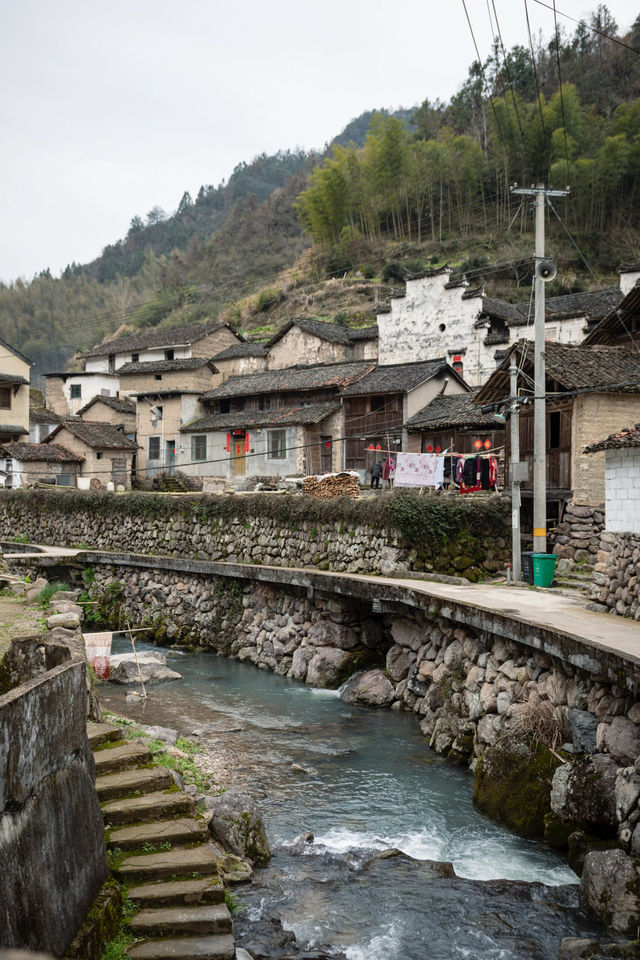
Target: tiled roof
{"x": 625, "y": 438}
{"x": 12, "y": 428}
{"x": 50, "y": 452}
{"x": 592, "y": 303}
{"x": 331, "y": 332}
{"x": 396, "y": 377}
{"x": 163, "y": 366}
{"x": 119, "y": 404}
{"x": 284, "y": 416}
{"x": 247, "y": 349}
{"x": 290, "y": 379}
{"x": 575, "y": 367}
{"x": 629, "y": 268}
{"x": 491, "y": 307}
{"x": 43, "y": 415}
{"x": 99, "y": 436}
{"x": 618, "y": 321}
{"x": 154, "y": 338}
{"x": 11, "y": 379}
{"x": 458, "y": 410}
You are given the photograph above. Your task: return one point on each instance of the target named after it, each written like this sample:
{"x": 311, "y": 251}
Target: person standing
{"x": 387, "y": 470}
{"x": 376, "y": 473}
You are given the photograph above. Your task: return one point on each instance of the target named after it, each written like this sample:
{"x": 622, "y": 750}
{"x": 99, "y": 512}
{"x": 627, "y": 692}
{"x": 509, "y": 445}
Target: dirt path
{"x": 17, "y": 619}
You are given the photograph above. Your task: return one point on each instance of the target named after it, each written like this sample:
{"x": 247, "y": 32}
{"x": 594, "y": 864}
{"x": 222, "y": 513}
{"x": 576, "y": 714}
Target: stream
{"x": 368, "y": 784}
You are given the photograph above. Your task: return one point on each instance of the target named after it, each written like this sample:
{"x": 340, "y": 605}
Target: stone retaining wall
{"x": 615, "y": 578}
{"x": 578, "y": 534}
{"x": 193, "y": 530}
{"x": 51, "y": 832}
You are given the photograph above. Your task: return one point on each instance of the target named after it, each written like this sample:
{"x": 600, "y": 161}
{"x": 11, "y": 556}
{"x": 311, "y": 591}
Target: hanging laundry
{"x": 416, "y": 469}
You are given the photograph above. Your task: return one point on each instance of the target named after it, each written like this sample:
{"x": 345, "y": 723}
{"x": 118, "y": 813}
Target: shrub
{"x": 269, "y": 298}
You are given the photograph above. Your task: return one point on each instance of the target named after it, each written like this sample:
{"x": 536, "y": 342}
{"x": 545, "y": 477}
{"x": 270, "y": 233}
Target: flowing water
{"x": 368, "y": 783}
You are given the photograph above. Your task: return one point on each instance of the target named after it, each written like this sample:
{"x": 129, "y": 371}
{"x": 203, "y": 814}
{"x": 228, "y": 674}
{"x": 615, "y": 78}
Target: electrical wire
{"x": 535, "y": 69}
{"x": 511, "y": 83}
{"x": 564, "y": 121}
{"x": 480, "y": 64}
{"x": 600, "y": 33}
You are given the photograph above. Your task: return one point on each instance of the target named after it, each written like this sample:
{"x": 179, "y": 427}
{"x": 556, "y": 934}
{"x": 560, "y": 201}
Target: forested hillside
{"x": 393, "y": 193}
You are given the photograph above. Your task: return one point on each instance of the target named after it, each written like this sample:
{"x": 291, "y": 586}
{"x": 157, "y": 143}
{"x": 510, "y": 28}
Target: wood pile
{"x": 330, "y": 485}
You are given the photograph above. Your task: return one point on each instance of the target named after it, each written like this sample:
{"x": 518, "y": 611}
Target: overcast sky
{"x": 107, "y": 109}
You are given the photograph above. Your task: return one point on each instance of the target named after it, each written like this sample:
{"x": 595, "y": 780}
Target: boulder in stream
{"x": 583, "y": 792}
{"x": 328, "y": 667}
{"x": 370, "y": 687}
{"x": 153, "y": 667}
{"x": 237, "y": 824}
{"x": 610, "y": 890}
{"x": 233, "y": 870}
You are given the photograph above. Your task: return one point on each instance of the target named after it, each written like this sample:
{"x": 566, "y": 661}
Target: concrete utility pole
{"x": 516, "y": 547}
{"x": 544, "y": 271}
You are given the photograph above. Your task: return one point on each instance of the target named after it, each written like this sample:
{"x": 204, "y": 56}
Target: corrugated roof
{"x": 164, "y": 366}
{"x": 99, "y": 436}
{"x": 119, "y": 404}
{"x": 49, "y": 452}
{"x": 615, "y": 441}
{"x": 290, "y": 379}
{"x": 173, "y": 337}
{"x": 443, "y": 412}
{"x": 247, "y": 419}
{"x": 574, "y": 366}
{"x": 396, "y": 377}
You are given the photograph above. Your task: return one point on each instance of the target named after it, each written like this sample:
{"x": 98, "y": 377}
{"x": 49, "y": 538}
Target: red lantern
{"x": 487, "y": 444}
{"x": 328, "y": 444}
{"x": 429, "y": 448}
{"x": 378, "y": 447}
{"x": 438, "y": 449}
{"x": 370, "y": 447}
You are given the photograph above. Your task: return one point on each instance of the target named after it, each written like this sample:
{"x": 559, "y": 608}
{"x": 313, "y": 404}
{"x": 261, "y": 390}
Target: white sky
{"x": 107, "y": 109}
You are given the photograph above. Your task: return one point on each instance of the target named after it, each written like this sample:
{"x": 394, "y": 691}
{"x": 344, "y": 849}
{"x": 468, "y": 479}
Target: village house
{"x": 629, "y": 276}
{"x": 15, "y": 371}
{"x": 439, "y": 317}
{"x": 107, "y": 453}
{"x": 166, "y": 396}
{"x": 274, "y": 423}
{"x": 34, "y": 464}
{"x": 311, "y": 342}
{"x": 67, "y": 392}
{"x": 377, "y": 405}
{"x": 455, "y": 423}
{"x": 241, "y": 358}
{"x": 621, "y": 325}
{"x": 41, "y": 423}
{"x": 590, "y": 390}
{"x": 147, "y": 346}
{"x": 621, "y": 479}
{"x": 118, "y": 411}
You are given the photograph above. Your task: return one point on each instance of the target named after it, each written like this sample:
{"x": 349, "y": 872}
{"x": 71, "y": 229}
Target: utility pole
{"x": 516, "y": 546}
{"x": 544, "y": 271}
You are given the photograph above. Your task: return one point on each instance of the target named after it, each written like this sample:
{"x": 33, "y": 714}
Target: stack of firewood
{"x": 332, "y": 485}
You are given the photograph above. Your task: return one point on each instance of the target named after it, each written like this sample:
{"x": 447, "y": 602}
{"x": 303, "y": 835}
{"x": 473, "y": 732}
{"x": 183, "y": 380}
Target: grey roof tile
{"x": 395, "y": 378}
{"x": 457, "y": 410}
{"x": 99, "y": 436}
{"x": 291, "y": 379}
{"x": 283, "y": 416}
{"x": 49, "y": 452}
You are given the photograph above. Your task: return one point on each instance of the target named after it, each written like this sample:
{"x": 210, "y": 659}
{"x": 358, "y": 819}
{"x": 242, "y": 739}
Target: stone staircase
{"x": 166, "y": 862}
{"x": 573, "y": 579}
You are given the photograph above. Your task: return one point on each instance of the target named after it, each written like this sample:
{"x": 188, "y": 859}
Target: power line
{"x": 564, "y": 121}
{"x": 535, "y": 69}
{"x": 493, "y": 106}
{"x": 511, "y": 84}
{"x": 600, "y": 33}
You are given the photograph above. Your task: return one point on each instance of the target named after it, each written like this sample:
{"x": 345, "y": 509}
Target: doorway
{"x": 238, "y": 458}
{"x": 170, "y": 460}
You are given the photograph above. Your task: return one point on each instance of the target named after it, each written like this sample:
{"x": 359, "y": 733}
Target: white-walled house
{"x": 621, "y": 479}
{"x": 68, "y": 392}
{"x": 440, "y": 318}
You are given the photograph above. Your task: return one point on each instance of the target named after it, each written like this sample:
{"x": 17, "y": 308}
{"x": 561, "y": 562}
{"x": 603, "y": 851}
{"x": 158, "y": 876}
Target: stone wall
{"x": 578, "y": 534}
{"x": 51, "y": 832}
{"x": 615, "y": 582}
{"x": 207, "y": 530}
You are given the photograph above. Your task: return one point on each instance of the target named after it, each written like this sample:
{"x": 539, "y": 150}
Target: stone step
{"x": 168, "y": 921}
{"x": 169, "y": 863}
{"x": 150, "y": 806}
{"x": 121, "y": 756}
{"x": 185, "y": 948}
{"x": 102, "y": 733}
{"x": 174, "y": 892}
{"x": 112, "y": 786}
{"x": 182, "y": 830}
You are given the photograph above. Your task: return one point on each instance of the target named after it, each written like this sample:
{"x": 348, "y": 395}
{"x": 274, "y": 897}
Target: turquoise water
{"x": 369, "y": 783}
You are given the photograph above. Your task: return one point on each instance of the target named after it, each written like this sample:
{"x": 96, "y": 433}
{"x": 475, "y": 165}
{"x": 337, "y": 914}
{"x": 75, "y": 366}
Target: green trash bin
{"x": 544, "y": 568}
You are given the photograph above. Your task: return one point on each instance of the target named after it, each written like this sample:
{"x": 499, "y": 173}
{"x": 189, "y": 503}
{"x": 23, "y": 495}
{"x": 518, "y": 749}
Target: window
{"x": 98, "y": 454}
{"x": 225, "y": 406}
{"x": 154, "y": 448}
{"x": 112, "y": 363}
{"x": 198, "y": 446}
{"x": 157, "y": 412}
{"x": 75, "y": 391}
{"x": 169, "y": 354}
{"x": 5, "y": 398}
{"x": 264, "y": 403}
{"x": 554, "y": 430}
{"x": 135, "y": 357}
{"x": 277, "y": 444}
{"x": 377, "y": 403}
{"x": 158, "y": 376}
